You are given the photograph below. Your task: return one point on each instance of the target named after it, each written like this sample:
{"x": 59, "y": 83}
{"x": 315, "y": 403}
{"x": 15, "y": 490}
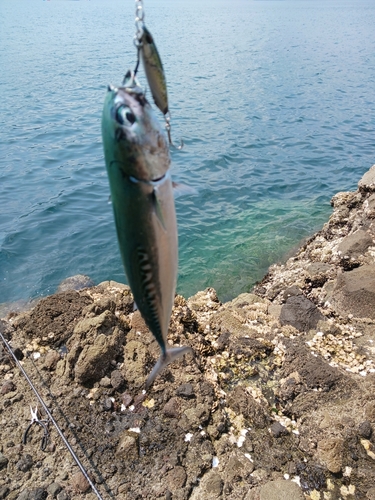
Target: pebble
{"x": 280, "y": 490}
{"x": 171, "y": 408}
{"x": 80, "y": 483}
{"x": 331, "y": 452}
{"x": 126, "y": 399}
{"x": 51, "y": 360}
{"x": 117, "y": 379}
{"x": 365, "y": 429}
{"x": 185, "y": 391}
{"x": 4, "y": 490}
{"x": 105, "y": 382}
{"x": 3, "y": 461}
{"x": 38, "y": 494}
{"x": 107, "y": 405}
{"x": 210, "y": 487}
{"x": 24, "y": 495}
{"x": 63, "y": 495}
{"x": 25, "y": 463}
{"x": 278, "y": 430}
{"x": 8, "y": 386}
{"x": 54, "y": 489}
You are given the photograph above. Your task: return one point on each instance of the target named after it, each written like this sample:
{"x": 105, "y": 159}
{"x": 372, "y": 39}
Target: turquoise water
{"x": 274, "y": 99}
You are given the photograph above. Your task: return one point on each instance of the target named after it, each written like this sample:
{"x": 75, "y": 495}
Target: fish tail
{"x": 167, "y": 357}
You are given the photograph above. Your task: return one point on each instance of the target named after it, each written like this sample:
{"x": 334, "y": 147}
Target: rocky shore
{"x": 278, "y": 402}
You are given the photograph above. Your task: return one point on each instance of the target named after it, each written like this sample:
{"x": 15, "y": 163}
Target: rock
{"x": 204, "y": 301}
{"x": 370, "y": 411}
{"x": 3, "y": 461}
{"x": 108, "y": 404}
{"x": 51, "y": 360}
{"x": 210, "y": 487}
{"x": 94, "y": 360}
{"x": 126, "y": 399}
{"x": 185, "y": 391}
{"x": 135, "y": 357}
{"x": 128, "y": 447}
{"x": 281, "y": 490}
{"x": 198, "y": 415}
{"x": 243, "y": 403}
{"x": 311, "y": 370}
{"x": 292, "y": 291}
{"x": 80, "y": 483}
{"x": 278, "y": 430}
{"x": 355, "y": 244}
{"x": 275, "y": 310}
{"x": 172, "y": 408}
{"x": 4, "y": 491}
{"x": 317, "y": 268}
{"x": 8, "y": 386}
{"x": 245, "y": 299}
{"x": 56, "y": 314}
{"x": 365, "y": 429}
{"x": 176, "y": 478}
{"x": 103, "y": 323}
{"x": 301, "y": 313}
{"x": 76, "y": 282}
{"x": 370, "y": 495}
{"x": 331, "y": 453}
{"x": 25, "y": 463}
{"x": 234, "y": 469}
{"x": 38, "y": 494}
{"x": 63, "y": 496}
{"x": 367, "y": 183}
{"x": 24, "y": 495}
{"x": 354, "y": 292}
{"x": 117, "y": 380}
{"x": 105, "y": 382}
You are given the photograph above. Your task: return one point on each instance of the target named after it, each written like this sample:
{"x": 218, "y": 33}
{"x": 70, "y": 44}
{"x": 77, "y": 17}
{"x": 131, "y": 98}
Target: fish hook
{"x": 168, "y": 129}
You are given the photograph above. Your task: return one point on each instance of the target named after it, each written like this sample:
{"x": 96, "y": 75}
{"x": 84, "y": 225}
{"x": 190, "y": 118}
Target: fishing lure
{"x": 153, "y": 67}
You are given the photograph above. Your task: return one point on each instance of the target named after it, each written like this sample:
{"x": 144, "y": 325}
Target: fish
{"x": 154, "y": 70}
{"x": 138, "y": 165}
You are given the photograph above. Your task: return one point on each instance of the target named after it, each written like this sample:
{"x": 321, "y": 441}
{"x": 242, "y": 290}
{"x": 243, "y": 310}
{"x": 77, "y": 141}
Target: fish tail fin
{"x": 164, "y": 360}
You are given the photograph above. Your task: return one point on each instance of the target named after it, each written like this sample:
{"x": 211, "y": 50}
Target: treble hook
{"x": 168, "y": 127}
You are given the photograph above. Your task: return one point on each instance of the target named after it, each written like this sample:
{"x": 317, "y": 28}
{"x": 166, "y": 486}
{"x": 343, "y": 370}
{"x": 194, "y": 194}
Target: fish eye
{"x": 124, "y": 115}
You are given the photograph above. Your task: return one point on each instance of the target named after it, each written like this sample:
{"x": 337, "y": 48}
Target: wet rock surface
{"x": 278, "y": 401}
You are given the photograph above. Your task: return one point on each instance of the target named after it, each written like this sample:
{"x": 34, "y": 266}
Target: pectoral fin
{"x": 180, "y": 189}
{"x": 157, "y": 207}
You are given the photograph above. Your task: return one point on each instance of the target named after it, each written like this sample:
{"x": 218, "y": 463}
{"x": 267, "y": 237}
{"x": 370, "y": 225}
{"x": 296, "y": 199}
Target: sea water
{"x": 275, "y": 101}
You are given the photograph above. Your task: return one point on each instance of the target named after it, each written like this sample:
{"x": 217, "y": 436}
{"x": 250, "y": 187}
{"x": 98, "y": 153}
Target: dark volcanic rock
{"x": 367, "y": 183}
{"x": 313, "y": 371}
{"x": 3, "y": 461}
{"x": 55, "y": 315}
{"x": 4, "y": 491}
{"x": 243, "y": 403}
{"x": 301, "y": 313}
{"x": 38, "y": 494}
{"x": 354, "y": 292}
{"x": 355, "y": 244}
{"x": 25, "y": 463}
{"x": 76, "y": 282}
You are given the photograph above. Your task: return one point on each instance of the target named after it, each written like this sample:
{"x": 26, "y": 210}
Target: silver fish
{"x": 137, "y": 159}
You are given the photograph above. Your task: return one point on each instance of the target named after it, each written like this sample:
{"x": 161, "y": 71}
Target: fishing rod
{"x": 45, "y": 408}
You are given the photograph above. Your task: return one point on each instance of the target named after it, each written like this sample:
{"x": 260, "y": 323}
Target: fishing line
{"x": 45, "y": 408}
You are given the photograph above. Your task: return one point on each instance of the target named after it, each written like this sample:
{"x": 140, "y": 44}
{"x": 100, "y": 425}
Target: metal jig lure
{"x": 147, "y": 51}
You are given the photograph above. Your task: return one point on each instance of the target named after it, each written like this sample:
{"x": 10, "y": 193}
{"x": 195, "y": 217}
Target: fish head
{"x": 133, "y": 137}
